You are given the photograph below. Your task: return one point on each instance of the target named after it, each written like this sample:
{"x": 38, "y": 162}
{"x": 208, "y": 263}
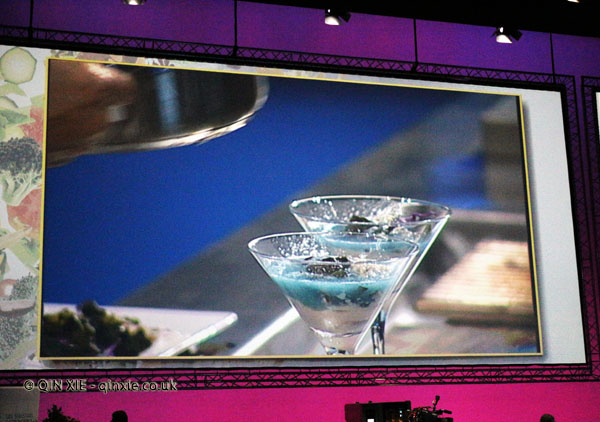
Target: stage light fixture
{"x": 336, "y": 17}
{"x": 506, "y": 35}
{"x": 134, "y": 2}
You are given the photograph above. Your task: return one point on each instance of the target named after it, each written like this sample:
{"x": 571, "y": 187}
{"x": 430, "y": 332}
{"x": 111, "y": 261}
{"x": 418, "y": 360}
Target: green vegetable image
{"x": 17, "y": 65}
{"x": 15, "y": 329}
{"x": 14, "y": 117}
{"x": 11, "y": 118}
{"x": 10, "y": 88}
{"x": 20, "y": 168}
{"x": 6, "y": 102}
{"x": 3, "y": 264}
{"x": 25, "y": 287}
{"x": 25, "y": 248}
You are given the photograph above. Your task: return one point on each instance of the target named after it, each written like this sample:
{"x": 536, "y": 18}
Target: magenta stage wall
{"x": 490, "y": 403}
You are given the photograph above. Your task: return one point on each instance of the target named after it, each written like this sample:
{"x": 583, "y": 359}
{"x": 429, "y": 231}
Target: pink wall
{"x": 490, "y": 403}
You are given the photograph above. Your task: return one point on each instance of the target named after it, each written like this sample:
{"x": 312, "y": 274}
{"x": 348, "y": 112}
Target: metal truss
{"x": 590, "y": 87}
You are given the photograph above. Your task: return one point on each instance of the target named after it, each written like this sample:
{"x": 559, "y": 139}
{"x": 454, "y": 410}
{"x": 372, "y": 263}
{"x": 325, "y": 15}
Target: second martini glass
{"x": 414, "y": 220}
{"x": 337, "y": 282}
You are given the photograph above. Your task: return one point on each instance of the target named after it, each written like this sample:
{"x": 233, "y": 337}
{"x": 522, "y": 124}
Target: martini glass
{"x": 336, "y": 281}
{"x": 414, "y": 220}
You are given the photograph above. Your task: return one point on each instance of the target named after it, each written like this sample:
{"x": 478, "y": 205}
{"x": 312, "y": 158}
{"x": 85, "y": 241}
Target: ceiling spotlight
{"x": 134, "y": 2}
{"x": 336, "y": 17}
{"x": 506, "y": 36}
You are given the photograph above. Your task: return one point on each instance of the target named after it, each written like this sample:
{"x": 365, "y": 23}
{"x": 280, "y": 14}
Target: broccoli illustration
{"x": 25, "y": 287}
{"x": 20, "y": 168}
{"x": 16, "y": 329}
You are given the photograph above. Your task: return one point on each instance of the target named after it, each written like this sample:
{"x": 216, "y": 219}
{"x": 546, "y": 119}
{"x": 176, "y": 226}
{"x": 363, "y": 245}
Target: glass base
{"x": 332, "y": 351}
{"x": 335, "y": 344}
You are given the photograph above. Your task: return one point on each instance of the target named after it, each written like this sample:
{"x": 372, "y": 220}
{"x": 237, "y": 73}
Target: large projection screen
{"x": 546, "y": 208}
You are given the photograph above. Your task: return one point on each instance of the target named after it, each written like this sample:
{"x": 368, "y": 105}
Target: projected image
{"x": 416, "y": 199}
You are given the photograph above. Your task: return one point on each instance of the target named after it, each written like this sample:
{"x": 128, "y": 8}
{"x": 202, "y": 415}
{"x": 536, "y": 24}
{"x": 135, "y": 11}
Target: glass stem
{"x": 377, "y": 334}
{"x": 332, "y": 351}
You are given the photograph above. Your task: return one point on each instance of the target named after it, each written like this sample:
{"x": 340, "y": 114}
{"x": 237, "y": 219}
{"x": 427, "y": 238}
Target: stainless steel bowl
{"x": 169, "y": 108}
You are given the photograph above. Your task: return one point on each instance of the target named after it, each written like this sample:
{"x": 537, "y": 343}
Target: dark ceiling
{"x": 555, "y": 16}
